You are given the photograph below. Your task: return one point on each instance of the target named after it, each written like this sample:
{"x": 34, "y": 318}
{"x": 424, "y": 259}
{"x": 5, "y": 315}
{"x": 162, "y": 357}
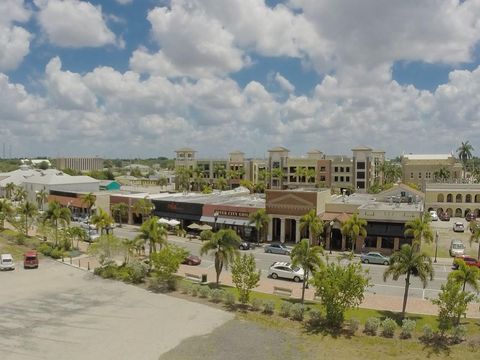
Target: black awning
{"x": 385, "y": 229}
{"x": 177, "y": 215}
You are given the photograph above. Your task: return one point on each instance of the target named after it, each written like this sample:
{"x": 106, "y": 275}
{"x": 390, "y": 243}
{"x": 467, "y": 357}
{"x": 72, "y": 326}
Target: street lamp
{"x": 331, "y": 233}
{"x": 215, "y": 216}
{"x": 436, "y": 246}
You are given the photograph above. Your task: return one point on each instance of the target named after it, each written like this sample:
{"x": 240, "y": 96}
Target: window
{"x": 341, "y": 178}
{"x": 361, "y": 165}
{"x": 322, "y": 168}
{"x": 361, "y": 185}
{"x": 411, "y": 175}
{"x": 361, "y": 175}
{"x": 275, "y": 164}
{"x": 428, "y": 175}
{"x": 388, "y": 243}
{"x": 419, "y": 175}
{"x": 347, "y": 179}
{"x": 371, "y": 242}
{"x": 336, "y": 178}
{"x": 341, "y": 168}
{"x": 322, "y": 178}
{"x": 336, "y": 168}
{"x": 347, "y": 169}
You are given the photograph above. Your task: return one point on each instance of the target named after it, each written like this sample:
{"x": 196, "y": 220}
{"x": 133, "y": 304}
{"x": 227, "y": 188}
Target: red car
{"x": 470, "y": 216}
{"x": 444, "y": 217}
{"x": 30, "y": 260}
{"x": 469, "y": 260}
{"x": 192, "y": 260}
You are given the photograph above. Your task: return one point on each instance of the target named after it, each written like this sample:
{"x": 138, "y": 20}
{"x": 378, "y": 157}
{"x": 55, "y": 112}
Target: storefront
{"x": 184, "y": 212}
{"x": 230, "y": 217}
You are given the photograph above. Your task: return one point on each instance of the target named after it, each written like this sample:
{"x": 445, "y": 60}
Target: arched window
{"x": 440, "y": 198}
{"x": 468, "y": 198}
{"x": 458, "y": 198}
{"x": 449, "y": 212}
{"x": 449, "y": 198}
{"x": 458, "y": 212}
{"x": 477, "y": 198}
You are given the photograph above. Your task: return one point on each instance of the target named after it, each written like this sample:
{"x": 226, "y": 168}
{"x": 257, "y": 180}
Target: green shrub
{"x": 186, "y": 288}
{"x": 230, "y": 298}
{"x": 388, "y": 327}
{"x": 194, "y": 290}
{"x": 427, "y": 332}
{"x": 353, "y": 325}
{"x": 56, "y": 253}
{"x": 371, "y": 326}
{"x": 315, "y": 317}
{"x": 408, "y": 327}
{"x": 172, "y": 283}
{"x": 107, "y": 271}
{"x": 45, "y": 249}
{"x": 20, "y": 239}
{"x": 138, "y": 271}
{"x": 216, "y": 295}
{"x": 206, "y": 235}
{"x": 458, "y": 334}
{"x": 257, "y": 304}
{"x": 268, "y": 307}
{"x": 297, "y": 311}
{"x": 285, "y": 309}
{"x": 204, "y": 292}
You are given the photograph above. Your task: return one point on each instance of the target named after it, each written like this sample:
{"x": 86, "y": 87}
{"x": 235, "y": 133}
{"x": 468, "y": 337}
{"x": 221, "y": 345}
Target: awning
{"x": 226, "y": 221}
{"x": 177, "y": 216}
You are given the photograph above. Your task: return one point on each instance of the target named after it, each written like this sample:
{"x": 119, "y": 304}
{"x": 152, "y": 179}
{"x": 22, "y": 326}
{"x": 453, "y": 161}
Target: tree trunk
{"x": 258, "y": 236}
{"x": 26, "y": 225}
{"x": 218, "y": 268}
{"x": 478, "y": 254}
{"x": 405, "y": 295}
{"x": 303, "y": 285}
{"x": 56, "y": 232}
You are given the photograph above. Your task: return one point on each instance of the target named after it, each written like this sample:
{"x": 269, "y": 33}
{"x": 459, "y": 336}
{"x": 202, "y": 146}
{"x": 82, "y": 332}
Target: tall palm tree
{"x": 300, "y": 173}
{"x": 354, "y": 228}
{"x": 311, "y": 175}
{"x": 313, "y": 223}
{"x": 143, "y": 207}
{"x": 464, "y": 154}
{"x": 20, "y": 193}
{"x": 308, "y": 258}
{"x": 121, "y": 210}
{"x": 9, "y": 190}
{"x": 260, "y": 220}
{"x": 224, "y": 245}
{"x": 221, "y": 183}
{"x": 102, "y": 220}
{"x": 153, "y": 233}
{"x": 89, "y": 200}
{"x": 57, "y": 215}
{"x": 41, "y": 197}
{"x": 475, "y": 237}
{"x": 420, "y": 230}
{"x": 6, "y": 210}
{"x": 28, "y": 210}
{"x": 409, "y": 262}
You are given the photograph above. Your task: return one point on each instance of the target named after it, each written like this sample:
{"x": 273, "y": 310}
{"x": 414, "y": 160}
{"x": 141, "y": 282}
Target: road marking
{"x": 402, "y": 287}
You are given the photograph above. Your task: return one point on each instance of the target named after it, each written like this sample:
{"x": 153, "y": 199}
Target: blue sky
{"x": 142, "y": 77}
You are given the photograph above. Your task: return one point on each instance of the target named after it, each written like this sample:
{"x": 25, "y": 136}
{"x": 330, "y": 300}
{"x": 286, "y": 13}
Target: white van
{"x": 6, "y": 262}
{"x": 456, "y": 248}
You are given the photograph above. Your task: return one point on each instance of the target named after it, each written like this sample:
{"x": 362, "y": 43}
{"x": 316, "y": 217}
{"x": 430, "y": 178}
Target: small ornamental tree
{"x": 452, "y": 302}
{"x": 340, "y": 288}
{"x": 245, "y": 276}
{"x": 106, "y": 248}
{"x": 167, "y": 261}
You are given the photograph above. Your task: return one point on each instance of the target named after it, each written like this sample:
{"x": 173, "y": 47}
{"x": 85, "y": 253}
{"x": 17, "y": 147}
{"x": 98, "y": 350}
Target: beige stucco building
{"x": 455, "y": 199}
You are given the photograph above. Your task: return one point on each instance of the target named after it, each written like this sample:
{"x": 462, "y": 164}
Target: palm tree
{"x": 224, "y": 245}
{"x": 89, "y": 200}
{"x": 441, "y": 175}
{"x": 6, "y": 210}
{"x": 143, "y": 207}
{"x": 465, "y": 153}
{"x": 464, "y": 275}
{"x": 219, "y": 171}
{"x": 313, "y": 223}
{"x": 308, "y": 258}
{"x": 221, "y": 183}
{"x": 475, "y": 237}
{"x": 28, "y": 210}
{"x": 20, "y": 194}
{"x": 153, "y": 233}
{"x": 420, "y": 230}
{"x": 41, "y": 197}
{"x": 311, "y": 175}
{"x": 260, "y": 219}
{"x": 300, "y": 173}
{"x": 354, "y": 228}
{"x": 77, "y": 233}
{"x": 57, "y": 215}
{"x": 102, "y": 220}
{"x": 9, "y": 190}
{"x": 407, "y": 261}
{"x": 120, "y": 209}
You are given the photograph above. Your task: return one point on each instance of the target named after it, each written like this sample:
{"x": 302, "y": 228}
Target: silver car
{"x": 375, "y": 258}
{"x": 285, "y": 270}
{"x": 278, "y": 249}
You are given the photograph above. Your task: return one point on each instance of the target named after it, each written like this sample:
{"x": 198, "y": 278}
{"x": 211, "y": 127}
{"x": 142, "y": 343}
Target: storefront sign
{"x": 232, "y": 213}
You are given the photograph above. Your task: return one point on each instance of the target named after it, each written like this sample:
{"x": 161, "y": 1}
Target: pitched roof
{"x": 278, "y": 148}
{"x": 362, "y": 147}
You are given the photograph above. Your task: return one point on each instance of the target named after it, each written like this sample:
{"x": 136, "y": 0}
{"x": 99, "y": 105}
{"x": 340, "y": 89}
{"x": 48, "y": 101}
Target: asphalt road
{"x": 264, "y": 261}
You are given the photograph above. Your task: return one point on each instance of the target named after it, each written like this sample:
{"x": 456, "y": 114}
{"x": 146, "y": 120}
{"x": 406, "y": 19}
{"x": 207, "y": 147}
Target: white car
{"x": 286, "y": 270}
{"x": 6, "y": 262}
{"x": 434, "y": 215}
{"x": 458, "y": 227}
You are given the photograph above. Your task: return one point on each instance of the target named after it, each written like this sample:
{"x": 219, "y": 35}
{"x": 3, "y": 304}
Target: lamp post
{"x": 215, "y": 216}
{"x": 436, "y": 246}
{"x": 331, "y": 233}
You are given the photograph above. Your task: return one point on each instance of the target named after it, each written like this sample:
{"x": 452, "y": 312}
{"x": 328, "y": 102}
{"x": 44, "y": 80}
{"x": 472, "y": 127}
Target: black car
{"x": 245, "y": 245}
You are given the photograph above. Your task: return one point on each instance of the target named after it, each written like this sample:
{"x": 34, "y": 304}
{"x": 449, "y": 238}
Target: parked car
{"x": 444, "y": 216}
{"x": 374, "y": 258}
{"x": 30, "y": 260}
{"x": 458, "y": 227}
{"x": 245, "y": 245}
{"x": 434, "y": 215}
{"x": 470, "y": 216}
{"x": 6, "y": 262}
{"x": 469, "y": 260}
{"x": 278, "y": 249}
{"x": 192, "y": 260}
{"x": 286, "y": 270}
{"x": 456, "y": 248}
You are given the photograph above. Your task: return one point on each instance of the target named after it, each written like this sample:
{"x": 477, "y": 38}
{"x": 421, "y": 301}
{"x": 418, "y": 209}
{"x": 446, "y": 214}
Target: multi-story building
{"x": 80, "y": 163}
{"x": 455, "y": 199}
{"x": 421, "y": 169}
{"x": 366, "y": 167}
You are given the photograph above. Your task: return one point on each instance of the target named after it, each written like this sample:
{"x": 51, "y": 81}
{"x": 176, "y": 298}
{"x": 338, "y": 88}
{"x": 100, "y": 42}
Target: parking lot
{"x": 58, "y": 311}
